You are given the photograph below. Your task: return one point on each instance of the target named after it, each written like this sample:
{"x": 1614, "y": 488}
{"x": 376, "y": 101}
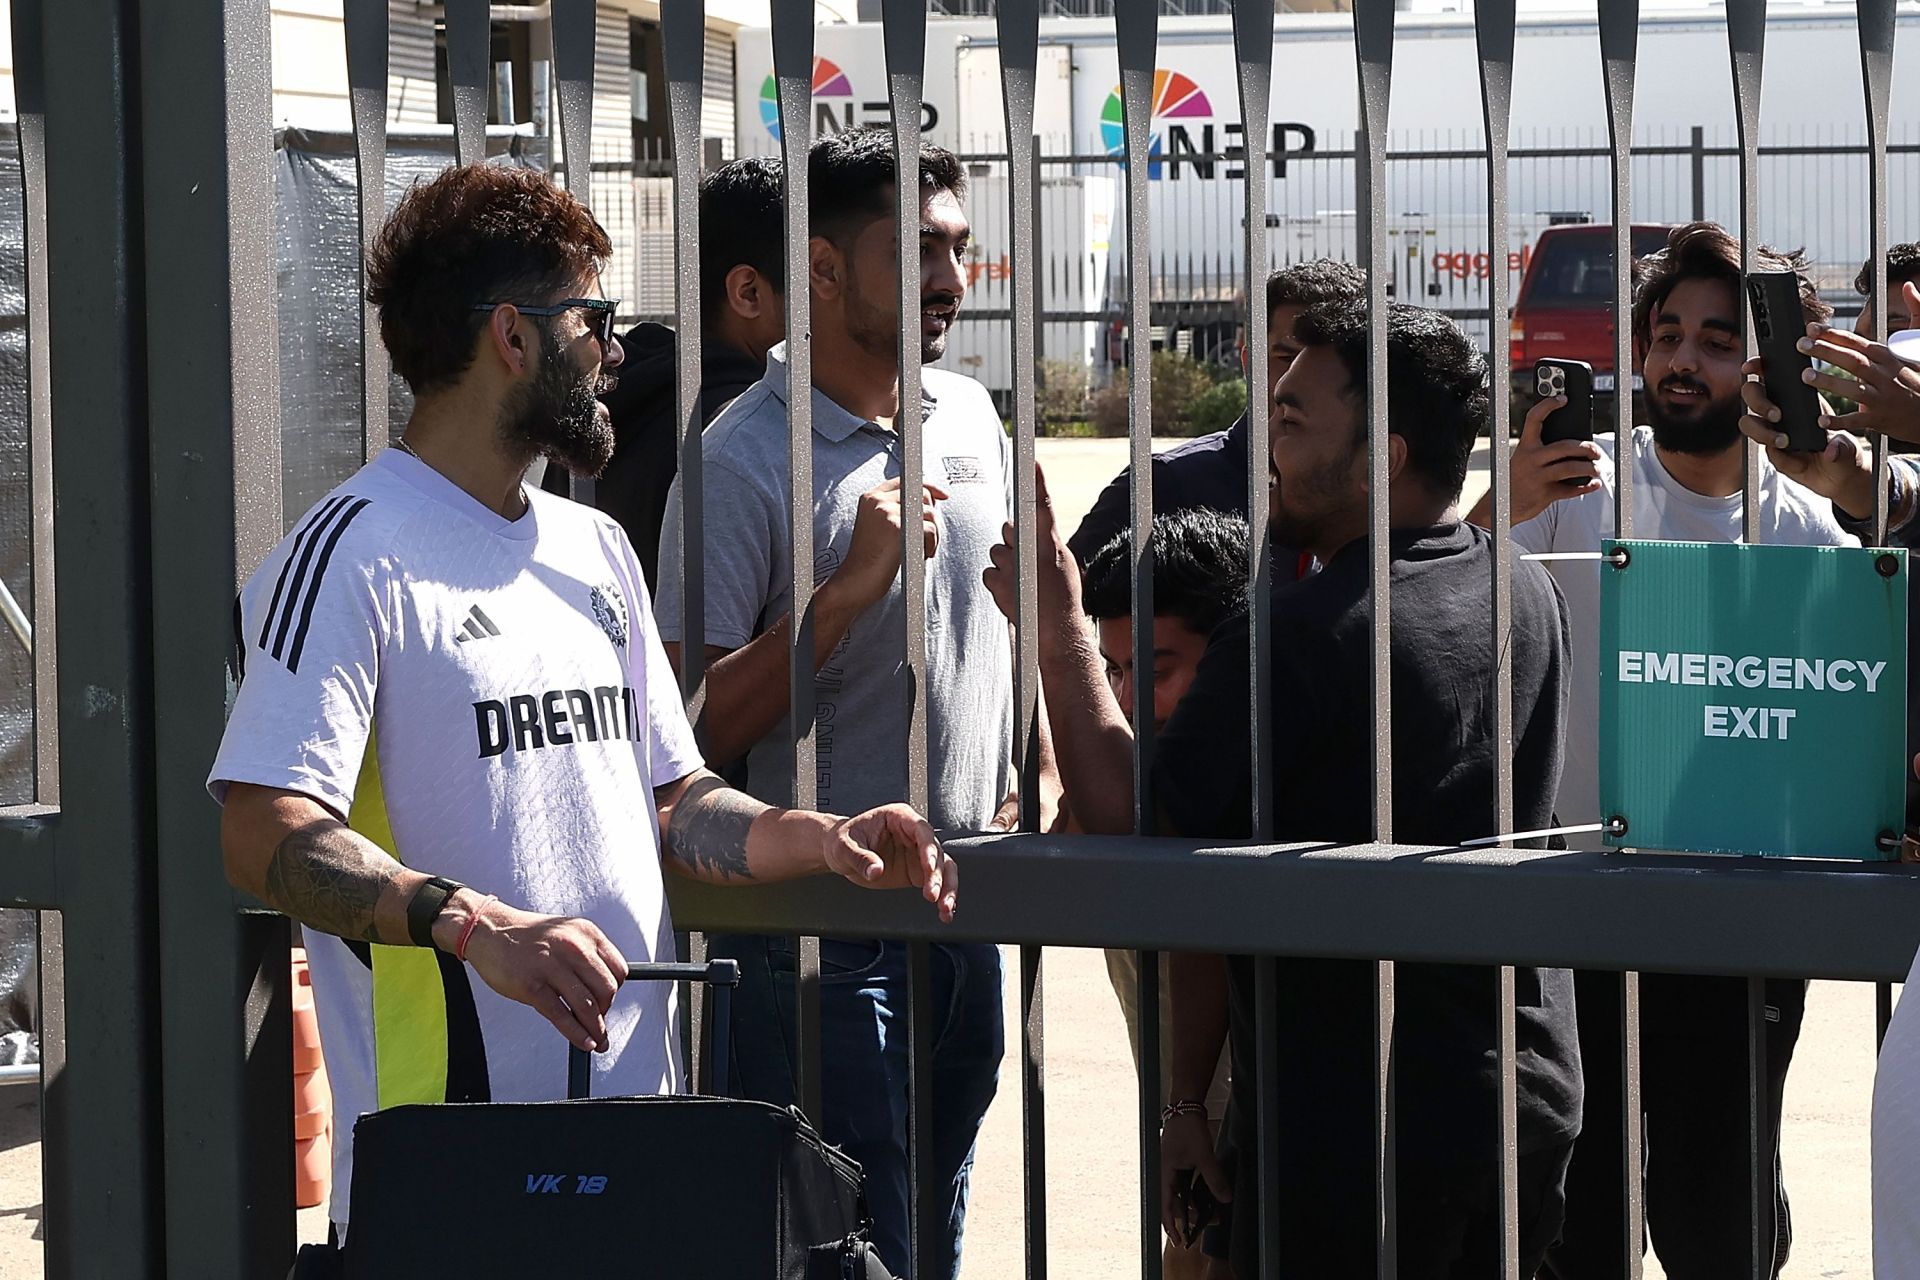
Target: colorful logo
{"x": 829, "y": 81}
{"x": 1175, "y": 97}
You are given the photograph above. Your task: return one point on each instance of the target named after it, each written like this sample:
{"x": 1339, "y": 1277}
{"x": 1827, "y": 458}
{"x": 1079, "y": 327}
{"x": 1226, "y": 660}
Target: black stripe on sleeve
{"x": 313, "y": 585}
{"x": 305, "y": 535}
{"x": 300, "y": 580}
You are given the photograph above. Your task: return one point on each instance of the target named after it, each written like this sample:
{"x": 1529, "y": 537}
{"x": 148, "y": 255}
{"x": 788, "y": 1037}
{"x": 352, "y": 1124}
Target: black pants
{"x": 1448, "y": 1218}
{"x": 1693, "y": 1093}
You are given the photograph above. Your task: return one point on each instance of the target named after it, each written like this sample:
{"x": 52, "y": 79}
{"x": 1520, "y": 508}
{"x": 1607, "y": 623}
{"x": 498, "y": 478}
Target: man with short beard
{"x": 862, "y": 695}
{"x": 1689, "y": 466}
{"x": 452, "y": 680}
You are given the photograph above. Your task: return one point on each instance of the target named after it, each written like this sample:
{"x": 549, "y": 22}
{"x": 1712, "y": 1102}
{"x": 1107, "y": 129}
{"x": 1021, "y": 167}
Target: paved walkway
{"x": 1092, "y": 1137}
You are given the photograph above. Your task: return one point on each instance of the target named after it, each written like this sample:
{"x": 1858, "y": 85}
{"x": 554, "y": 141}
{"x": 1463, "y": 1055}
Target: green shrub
{"x": 1178, "y": 384}
{"x": 1061, "y": 395}
{"x": 1217, "y": 407}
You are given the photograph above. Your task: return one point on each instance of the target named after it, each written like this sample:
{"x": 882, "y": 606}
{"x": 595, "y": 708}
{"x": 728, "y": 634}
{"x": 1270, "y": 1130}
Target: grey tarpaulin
{"x": 318, "y": 232}
{"x": 318, "y": 276}
{"x": 17, "y": 928}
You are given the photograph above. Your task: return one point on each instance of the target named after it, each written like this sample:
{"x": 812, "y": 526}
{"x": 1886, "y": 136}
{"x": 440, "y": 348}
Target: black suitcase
{"x": 674, "y": 1188}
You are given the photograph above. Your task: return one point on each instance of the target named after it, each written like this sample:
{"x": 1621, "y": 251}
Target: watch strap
{"x": 428, "y": 902}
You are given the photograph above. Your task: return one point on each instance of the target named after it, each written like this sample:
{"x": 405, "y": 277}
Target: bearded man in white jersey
{"x": 1689, "y": 464}
{"x": 457, "y": 744}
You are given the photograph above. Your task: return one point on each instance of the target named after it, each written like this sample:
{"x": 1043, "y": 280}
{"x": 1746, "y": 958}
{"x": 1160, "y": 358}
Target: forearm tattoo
{"x": 707, "y": 834}
{"x": 328, "y": 879}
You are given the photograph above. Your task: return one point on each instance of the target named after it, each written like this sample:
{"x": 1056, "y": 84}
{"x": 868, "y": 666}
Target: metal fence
{"x": 154, "y": 403}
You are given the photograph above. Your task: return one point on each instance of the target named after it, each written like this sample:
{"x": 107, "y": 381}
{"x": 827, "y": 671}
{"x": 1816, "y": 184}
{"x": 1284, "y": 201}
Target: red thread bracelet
{"x": 460, "y": 947}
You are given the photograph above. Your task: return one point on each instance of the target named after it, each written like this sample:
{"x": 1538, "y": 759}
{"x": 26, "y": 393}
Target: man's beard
{"x": 873, "y": 329}
{"x": 558, "y": 416}
{"x": 1713, "y": 427}
{"x": 1299, "y": 529}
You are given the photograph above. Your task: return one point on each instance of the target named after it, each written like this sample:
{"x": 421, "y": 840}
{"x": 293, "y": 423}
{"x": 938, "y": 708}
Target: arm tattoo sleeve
{"x": 327, "y": 878}
{"x": 707, "y": 834}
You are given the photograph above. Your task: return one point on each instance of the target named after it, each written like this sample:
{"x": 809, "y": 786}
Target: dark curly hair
{"x": 473, "y": 234}
{"x": 1436, "y": 383}
{"x": 1317, "y": 280}
{"x": 1903, "y": 264}
{"x": 1199, "y": 570}
{"x": 850, "y": 180}
{"x": 1708, "y": 251}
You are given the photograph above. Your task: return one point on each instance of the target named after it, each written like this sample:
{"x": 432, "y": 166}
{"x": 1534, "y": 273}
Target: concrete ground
{"x": 1092, "y": 1136}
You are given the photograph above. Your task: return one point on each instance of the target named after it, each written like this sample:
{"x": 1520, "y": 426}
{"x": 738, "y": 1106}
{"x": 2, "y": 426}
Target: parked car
{"x": 1564, "y": 310}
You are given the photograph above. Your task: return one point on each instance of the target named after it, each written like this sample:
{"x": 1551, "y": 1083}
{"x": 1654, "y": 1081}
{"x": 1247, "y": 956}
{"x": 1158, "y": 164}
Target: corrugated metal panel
{"x": 411, "y": 97}
{"x": 716, "y": 91}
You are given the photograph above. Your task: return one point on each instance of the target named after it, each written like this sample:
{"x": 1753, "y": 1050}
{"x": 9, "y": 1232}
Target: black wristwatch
{"x": 428, "y": 902}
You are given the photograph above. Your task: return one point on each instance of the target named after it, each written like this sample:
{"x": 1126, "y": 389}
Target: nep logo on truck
{"x": 833, "y": 104}
{"x": 1183, "y": 104}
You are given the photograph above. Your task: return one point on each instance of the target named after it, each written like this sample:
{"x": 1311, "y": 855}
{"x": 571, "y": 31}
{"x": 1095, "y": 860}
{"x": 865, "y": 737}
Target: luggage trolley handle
{"x": 721, "y": 975}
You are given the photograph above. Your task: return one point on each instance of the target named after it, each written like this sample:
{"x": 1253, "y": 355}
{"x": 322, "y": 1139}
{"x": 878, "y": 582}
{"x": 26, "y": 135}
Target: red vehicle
{"x": 1564, "y": 310}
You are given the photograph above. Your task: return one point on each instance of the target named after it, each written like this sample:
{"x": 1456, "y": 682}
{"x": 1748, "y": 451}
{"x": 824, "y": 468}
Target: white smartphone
{"x": 1905, "y": 343}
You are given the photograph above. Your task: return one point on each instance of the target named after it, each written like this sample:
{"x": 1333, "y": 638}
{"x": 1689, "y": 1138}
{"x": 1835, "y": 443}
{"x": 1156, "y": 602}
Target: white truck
{"x": 1814, "y": 194}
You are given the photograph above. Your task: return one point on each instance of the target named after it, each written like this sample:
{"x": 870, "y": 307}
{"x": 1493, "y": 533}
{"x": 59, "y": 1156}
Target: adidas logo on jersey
{"x": 478, "y": 626}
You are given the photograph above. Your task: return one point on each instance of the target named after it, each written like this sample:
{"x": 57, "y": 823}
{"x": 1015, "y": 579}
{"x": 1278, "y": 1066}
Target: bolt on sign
{"x": 1753, "y": 698}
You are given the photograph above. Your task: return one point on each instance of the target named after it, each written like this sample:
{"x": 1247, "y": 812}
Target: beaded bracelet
{"x": 1183, "y": 1107}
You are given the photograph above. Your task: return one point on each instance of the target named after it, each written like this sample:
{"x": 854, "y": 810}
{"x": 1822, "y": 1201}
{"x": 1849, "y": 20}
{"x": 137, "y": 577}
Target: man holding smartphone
{"x": 1689, "y": 466}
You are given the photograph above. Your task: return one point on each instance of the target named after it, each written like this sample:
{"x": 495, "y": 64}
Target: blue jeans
{"x": 863, "y": 1089}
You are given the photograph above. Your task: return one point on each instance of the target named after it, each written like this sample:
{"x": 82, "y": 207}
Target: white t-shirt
{"x": 1896, "y": 1141}
{"x": 1664, "y": 510}
{"x": 488, "y": 701}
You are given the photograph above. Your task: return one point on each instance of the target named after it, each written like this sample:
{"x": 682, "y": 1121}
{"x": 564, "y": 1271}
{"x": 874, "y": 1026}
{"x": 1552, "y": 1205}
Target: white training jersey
{"x": 487, "y": 700}
{"x": 1896, "y": 1140}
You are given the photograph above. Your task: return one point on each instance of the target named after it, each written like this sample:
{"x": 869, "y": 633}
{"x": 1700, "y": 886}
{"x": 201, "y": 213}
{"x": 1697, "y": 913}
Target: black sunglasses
{"x": 602, "y": 309}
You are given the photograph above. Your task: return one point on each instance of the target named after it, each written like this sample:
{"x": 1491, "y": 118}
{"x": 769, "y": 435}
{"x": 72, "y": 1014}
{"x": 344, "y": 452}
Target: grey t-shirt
{"x": 861, "y": 692}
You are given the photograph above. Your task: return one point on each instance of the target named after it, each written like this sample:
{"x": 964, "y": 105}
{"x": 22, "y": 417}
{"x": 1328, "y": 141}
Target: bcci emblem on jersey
{"x": 611, "y": 613}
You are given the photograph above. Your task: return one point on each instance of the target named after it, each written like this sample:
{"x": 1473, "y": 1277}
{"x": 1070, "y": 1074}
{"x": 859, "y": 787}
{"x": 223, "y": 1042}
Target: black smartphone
{"x": 1194, "y": 1206}
{"x": 1574, "y": 380}
{"x": 1779, "y": 324}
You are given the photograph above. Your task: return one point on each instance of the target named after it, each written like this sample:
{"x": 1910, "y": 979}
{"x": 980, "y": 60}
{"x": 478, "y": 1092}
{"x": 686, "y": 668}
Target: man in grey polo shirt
{"x": 862, "y": 696}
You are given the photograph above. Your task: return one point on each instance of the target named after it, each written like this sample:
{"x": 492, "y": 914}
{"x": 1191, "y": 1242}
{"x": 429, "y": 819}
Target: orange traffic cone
{"x": 312, "y": 1099}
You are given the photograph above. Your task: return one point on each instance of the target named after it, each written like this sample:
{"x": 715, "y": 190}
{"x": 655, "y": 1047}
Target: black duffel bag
{"x": 667, "y": 1188}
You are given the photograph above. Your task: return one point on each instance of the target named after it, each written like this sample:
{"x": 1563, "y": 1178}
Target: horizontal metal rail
{"x": 1657, "y": 913}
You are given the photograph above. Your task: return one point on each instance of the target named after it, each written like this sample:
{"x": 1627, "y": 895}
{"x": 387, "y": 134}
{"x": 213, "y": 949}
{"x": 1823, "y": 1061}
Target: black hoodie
{"x": 633, "y": 489}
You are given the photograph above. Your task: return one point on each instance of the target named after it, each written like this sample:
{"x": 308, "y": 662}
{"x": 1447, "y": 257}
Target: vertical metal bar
{"x": 573, "y": 33}
{"x": 1018, "y": 25}
{"x": 793, "y": 75}
{"x": 1746, "y": 43}
{"x": 1135, "y": 29}
{"x": 1760, "y": 1133}
{"x": 683, "y": 38}
{"x": 469, "y": 49}
{"x": 1619, "y": 41}
{"x": 1875, "y": 19}
{"x": 214, "y": 498}
{"x": 1373, "y": 52}
{"x": 904, "y": 35}
{"x": 1033, "y": 1109}
{"x": 1253, "y": 56}
{"x": 1268, "y": 1100}
{"x": 30, "y": 105}
{"x": 365, "y": 27}
{"x": 1882, "y": 1013}
{"x": 102, "y": 1121}
{"x": 1147, "y": 993}
{"x": 927, "y": 1212}
{"x": 1633, "y": 1135}
{"x": 1493, "y": 27}
{"x": 572, "y": 29}
{"x": 1699, "y": 166}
